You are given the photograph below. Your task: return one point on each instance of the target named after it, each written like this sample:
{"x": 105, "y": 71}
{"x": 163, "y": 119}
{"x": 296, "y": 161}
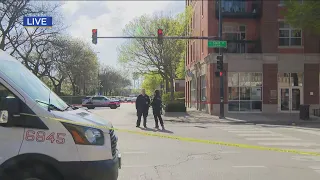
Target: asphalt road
{"x": 153, "y": 158}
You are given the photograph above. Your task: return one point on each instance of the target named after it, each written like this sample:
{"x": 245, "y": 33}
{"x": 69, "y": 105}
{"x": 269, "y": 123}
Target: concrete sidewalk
{"x": 194, "y": 116}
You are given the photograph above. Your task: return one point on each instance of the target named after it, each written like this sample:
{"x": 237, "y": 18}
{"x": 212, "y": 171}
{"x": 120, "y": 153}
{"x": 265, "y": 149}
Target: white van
{"x": 39, "y": 148}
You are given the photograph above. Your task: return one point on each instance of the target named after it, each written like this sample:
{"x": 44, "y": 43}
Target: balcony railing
{"x": 242, "y": 46}
{"x": 240, "y": 8}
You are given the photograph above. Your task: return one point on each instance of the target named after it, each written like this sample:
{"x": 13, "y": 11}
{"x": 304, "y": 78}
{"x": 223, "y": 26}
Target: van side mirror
{"x": 9, "y": 109}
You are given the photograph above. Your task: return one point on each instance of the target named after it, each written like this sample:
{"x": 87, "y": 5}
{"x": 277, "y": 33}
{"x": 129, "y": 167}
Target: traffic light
{"x": 220, "y": 63}
{"x": 160, "y": 36}
{"x": 94, "y": 36}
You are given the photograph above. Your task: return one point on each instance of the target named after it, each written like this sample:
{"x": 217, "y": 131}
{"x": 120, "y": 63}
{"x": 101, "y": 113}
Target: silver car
{"x": 92, "y": 102}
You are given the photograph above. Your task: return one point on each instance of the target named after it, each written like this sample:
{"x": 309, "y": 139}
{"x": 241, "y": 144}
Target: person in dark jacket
{"x": 142, "y": 107}
{"x": 157, "y": 109}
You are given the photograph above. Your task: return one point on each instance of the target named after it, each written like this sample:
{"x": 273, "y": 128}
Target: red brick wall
{"x": 269, "y": 26}
{"x": 311, "y": 83}
{"x": 270, "y": 82}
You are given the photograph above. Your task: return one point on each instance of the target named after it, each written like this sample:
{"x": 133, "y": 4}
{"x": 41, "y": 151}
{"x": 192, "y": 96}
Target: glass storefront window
{"x": 244, "y": 91}
{"x": 233, "y": 93}
{"x": 296, "y": 79}
{"x": 290, "y": 79}
{"x": 233, "y": 79}
{"x": 244, "y": 79}
{"x": 203, "y": 92}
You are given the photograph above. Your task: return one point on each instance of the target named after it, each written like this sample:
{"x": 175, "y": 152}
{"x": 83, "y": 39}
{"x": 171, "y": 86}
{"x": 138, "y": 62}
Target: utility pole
{"x": 221, "y": 74}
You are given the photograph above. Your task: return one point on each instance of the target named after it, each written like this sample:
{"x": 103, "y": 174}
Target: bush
{"x": 178, "y": 98}
{"x": 175, "y": 107}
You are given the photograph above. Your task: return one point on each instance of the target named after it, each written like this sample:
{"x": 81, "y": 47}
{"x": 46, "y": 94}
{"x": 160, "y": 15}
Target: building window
{"x": 244, "y": 91}
{"x": 290, "y": 79}
{"x": 289, "y": 36}
{"x": 193, "y": 51}
{"x": 202, "y": 7}
{"x": 193, "y": 93}
{"x": 203, "y": 92}
{"x": 235, "y": 32}
{"x": 202, "y": 41}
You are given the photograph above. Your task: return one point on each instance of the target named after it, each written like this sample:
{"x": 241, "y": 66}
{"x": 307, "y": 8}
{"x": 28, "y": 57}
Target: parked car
{"x": 100, "y": 101}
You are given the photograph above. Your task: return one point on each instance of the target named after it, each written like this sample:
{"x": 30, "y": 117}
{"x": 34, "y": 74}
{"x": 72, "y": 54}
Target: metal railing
{"x": 242, "y": 46}
{"x": 240, "y": 9}
{"x": 316, "y": 112}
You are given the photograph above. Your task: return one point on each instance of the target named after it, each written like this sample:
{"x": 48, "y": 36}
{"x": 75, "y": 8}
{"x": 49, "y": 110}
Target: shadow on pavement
{"x": 166, "y": 131}
{"x": 156, "y": 130}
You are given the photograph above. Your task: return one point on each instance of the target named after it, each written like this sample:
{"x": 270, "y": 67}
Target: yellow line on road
{"x": 186, "y": 139}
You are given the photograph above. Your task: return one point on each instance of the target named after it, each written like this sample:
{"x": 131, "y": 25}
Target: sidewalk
{"x": 194, "y": 116}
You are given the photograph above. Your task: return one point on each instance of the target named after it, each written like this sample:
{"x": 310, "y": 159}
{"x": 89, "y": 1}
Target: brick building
{"x": 270, "y": 66}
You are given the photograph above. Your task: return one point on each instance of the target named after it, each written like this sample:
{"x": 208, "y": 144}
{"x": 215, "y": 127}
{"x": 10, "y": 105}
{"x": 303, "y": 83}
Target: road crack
{"x": 188, "y": 157}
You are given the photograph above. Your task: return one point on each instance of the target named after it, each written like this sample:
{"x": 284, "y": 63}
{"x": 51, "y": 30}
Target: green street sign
{"x": 217, "y": 44}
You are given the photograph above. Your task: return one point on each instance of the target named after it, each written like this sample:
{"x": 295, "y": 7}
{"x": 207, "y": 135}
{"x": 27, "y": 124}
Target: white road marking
{"x": 249, "y": 166}
{"x": 307, "y": 158}
{"x": 308, "y": 150}
{"x": 288, "y": 144}
{"x": 250, "y": 135}
{"x": 247, "y": 132}
{"x": 136, "y": 166}
{"x": 308, "y": 131}
{"x": 134, "y": 152}
{"x": 315, "y": 168}
{"x": 229, "y": 152}
{"x": 273, "y": 139}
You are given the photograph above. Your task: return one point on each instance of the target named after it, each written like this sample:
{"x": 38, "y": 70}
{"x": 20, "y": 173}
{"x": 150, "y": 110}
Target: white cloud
{"x": 109, "y": 22}
{"x": 70, "y": 7}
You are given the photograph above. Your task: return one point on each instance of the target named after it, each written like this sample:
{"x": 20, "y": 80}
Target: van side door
{"x": 11, "y": 138}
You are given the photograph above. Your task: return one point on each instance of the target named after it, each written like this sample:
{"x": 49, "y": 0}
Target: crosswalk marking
{"x": 309, "y": 132}
{"x": 304, "y": 144}
{"x": 307, "y": 158}
{"x": 258, "y": 135}
{"x": 308, "y": 150}
{"x": 273, "y": 139}
{"x": 269, "y": 138}
{"x": 252, "y": 131}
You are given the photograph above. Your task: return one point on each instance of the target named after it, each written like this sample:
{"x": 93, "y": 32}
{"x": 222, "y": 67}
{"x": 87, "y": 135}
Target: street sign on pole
{"x": 217, "y": 44}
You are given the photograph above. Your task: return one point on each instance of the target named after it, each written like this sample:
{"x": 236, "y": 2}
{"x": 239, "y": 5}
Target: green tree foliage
{"x": 304, "y": 15}
{"x": 112, "y": 81}
{"x": 146, "y": 55}
{"x": 151, "y": 82}
{"x": 180, "y": 72}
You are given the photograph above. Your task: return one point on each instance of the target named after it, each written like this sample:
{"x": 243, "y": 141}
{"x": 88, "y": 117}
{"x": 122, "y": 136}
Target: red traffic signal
{"x": 160, "y": 36}
{"x": 94, "y": 36}
{"x": 221, "y": 74}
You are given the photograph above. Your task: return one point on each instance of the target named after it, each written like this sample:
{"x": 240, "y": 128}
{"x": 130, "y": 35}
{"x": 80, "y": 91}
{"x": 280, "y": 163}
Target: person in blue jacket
{"x": 157, "y": 108}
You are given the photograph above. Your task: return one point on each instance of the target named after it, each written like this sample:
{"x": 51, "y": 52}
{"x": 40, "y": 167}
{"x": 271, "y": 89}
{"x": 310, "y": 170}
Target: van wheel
{"x": 35, "y": 172}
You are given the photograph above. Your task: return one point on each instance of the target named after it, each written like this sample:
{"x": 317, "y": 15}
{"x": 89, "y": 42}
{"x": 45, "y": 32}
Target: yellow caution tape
{"x": 186, "y": 139}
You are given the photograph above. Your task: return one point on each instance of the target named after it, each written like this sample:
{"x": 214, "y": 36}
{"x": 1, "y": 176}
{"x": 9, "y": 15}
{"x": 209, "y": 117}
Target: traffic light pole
{"x": 221, "y": 77}
{"x": 164, "y": 37}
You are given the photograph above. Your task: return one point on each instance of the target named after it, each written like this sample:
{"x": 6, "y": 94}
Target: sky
{"x": 110, "y": 17}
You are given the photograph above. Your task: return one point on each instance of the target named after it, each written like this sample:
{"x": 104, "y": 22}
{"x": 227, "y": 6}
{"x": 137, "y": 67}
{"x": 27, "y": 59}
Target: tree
{"x": 180, "y": 72}
{"x": 81, "y": 65}
{"x": 146, "y": 55}
{"x": 151, "y": 82}
{"x": 112, "y": 81}
{"x": 304, "y": 15}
